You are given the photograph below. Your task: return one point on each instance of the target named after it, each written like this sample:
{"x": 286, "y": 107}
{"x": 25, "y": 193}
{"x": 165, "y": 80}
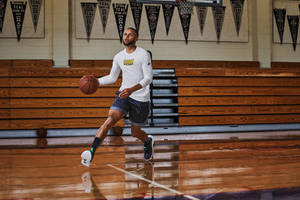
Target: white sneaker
{"x": 86, "y": 157}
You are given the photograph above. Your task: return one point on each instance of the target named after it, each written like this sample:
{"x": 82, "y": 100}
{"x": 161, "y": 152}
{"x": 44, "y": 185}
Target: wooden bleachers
{"x": 35, "y": 95}
{"x": 232, "y": 96}
{"x": 45, "y": 97}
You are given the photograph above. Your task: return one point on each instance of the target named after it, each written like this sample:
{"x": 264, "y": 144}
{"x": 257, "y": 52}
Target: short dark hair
{"x": 133, "y": 29}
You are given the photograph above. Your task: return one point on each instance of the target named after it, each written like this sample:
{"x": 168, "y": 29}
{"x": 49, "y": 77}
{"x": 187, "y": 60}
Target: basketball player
{"x": 133, "y": 97}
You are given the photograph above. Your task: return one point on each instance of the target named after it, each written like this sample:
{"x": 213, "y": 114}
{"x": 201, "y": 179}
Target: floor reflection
{"x": 140, "y": 188}
{"x": 90, "y": 186}
{"x": 206, "y": 170}
{"x": 136, "y": 188}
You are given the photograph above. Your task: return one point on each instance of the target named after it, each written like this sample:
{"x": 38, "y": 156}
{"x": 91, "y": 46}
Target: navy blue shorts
{"x": 137, "y": 111}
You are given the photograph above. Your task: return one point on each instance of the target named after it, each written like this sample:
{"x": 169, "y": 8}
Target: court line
{"x": 152, "y": 182}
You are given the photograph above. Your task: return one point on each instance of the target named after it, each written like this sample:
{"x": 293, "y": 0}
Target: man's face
{"x": 129, "y": 37}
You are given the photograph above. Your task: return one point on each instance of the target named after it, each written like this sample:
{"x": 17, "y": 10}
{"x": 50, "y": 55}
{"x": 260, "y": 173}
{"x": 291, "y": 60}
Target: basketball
{"x": 88, "y": 84}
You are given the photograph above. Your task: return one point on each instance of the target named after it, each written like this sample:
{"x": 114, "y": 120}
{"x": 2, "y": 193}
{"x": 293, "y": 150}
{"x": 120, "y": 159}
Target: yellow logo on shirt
{"x": 128, "y": 62}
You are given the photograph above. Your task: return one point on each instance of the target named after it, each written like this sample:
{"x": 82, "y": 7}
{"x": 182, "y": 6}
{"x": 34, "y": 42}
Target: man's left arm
{"x": 147, "y": 72}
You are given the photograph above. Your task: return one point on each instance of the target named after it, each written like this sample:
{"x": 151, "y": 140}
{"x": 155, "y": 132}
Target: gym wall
{"x": 63, "y": 37}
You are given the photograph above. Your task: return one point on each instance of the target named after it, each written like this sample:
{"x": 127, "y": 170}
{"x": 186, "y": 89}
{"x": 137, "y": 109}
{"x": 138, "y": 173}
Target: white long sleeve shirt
{"x": 136, "y": 69}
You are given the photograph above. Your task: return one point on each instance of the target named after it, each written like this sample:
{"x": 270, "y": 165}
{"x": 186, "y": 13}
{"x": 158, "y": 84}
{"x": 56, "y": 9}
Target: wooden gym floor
{"x": 220, "y": 166}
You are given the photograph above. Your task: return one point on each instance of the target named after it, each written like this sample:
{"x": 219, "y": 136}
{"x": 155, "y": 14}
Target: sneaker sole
{"x": 85, "y": 163}
{"x": 85, "y": 159}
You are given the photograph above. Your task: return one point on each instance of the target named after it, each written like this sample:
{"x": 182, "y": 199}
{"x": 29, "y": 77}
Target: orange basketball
{"x": 88, "y": 84}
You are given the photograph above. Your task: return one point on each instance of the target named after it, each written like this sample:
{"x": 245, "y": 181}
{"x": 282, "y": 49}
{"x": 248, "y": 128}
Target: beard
{"x": 129, "y": 43}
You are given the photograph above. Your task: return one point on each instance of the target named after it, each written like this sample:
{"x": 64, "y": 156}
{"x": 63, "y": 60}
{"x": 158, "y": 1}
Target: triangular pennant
{"x": 88, "y": 12}
{"x": 136, "y": 9}
{"x": 201, "y": 13}
{"x": 294, "y": 26}
{"x": 185, "y": 20}
{"x": 152, "y": 16}
{"x": 280, "y": 21}
{"x": 35, "y": 7}
{"x": 185, "y": 7}
{"x": 120, "y": 10}
{"x": 2, "y": 13}
{"x": 168, "y": 10}
{"x": 18, "y": 9}
{"x": 237, "y": 10}
{"x": 218, "y": 13}
{"x": 104, "y": 6}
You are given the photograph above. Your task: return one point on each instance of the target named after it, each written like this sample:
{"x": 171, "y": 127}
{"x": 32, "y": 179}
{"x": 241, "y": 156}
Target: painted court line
{"x": 152, "y": 182}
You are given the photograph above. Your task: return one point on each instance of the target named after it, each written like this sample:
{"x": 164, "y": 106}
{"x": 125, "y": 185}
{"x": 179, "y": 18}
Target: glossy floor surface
{"x": 250, "y": 166}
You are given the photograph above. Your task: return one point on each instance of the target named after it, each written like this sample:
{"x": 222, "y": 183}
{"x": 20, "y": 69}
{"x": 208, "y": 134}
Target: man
{"x": 133, "y": 97}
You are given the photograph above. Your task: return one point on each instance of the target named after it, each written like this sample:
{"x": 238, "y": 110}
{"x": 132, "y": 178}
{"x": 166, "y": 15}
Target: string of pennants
{"x": 152, "y": 12}
{"x": 18, "y": 9}
{"x": 280, "y": 15}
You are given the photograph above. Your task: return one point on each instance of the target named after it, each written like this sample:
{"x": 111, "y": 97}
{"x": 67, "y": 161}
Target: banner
{"x": 35, "y": 8}
{"x": 168, "y": 10}
{"x": 120, "y": 11}
{"x": 169, "y": 26}
{"x": 201, "y": 13}
{"x": 88, "y": 12}
{"x": 237, "y": 10}
{"x": 185, "y": 20}
{"x": 18, "y": 9}
{"x": 136, "y": 9}
{"x": 104, "y": 6}
{"x": 2, "y": 13}
{"x": 294, "y": 26}
{"x": 280, "y": 21}
{"x": 152, "y": 16}
{"x": 218, "y": 13}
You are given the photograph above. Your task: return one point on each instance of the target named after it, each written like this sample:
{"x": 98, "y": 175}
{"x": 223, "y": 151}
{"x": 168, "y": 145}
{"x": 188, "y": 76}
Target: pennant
{"x": 294, "y": 26}
{"x": 218, "y": 13}
{"x": 136, "y": 9}
{"x": 168, "y": 10}
{"x": 18, "y": 9}
{"x": 185, "y": 20}
{"x": 237, "y": 10}
{"x": 104, "y": 6}
{"x": 2, "y": 13}
{"x": 88, "y": 12}
{"x": 185, "y": 7}
{"x": 152, "y": 16}
{"x": 120, "y": 11}
{"x": 201, "y": 13}
{"x": 35, "y": 7}
{"x": 280, "y": 21}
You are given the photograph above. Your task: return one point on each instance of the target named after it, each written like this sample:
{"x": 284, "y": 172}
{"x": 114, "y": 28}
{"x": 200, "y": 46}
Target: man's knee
{"x": 110, "y": 121}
